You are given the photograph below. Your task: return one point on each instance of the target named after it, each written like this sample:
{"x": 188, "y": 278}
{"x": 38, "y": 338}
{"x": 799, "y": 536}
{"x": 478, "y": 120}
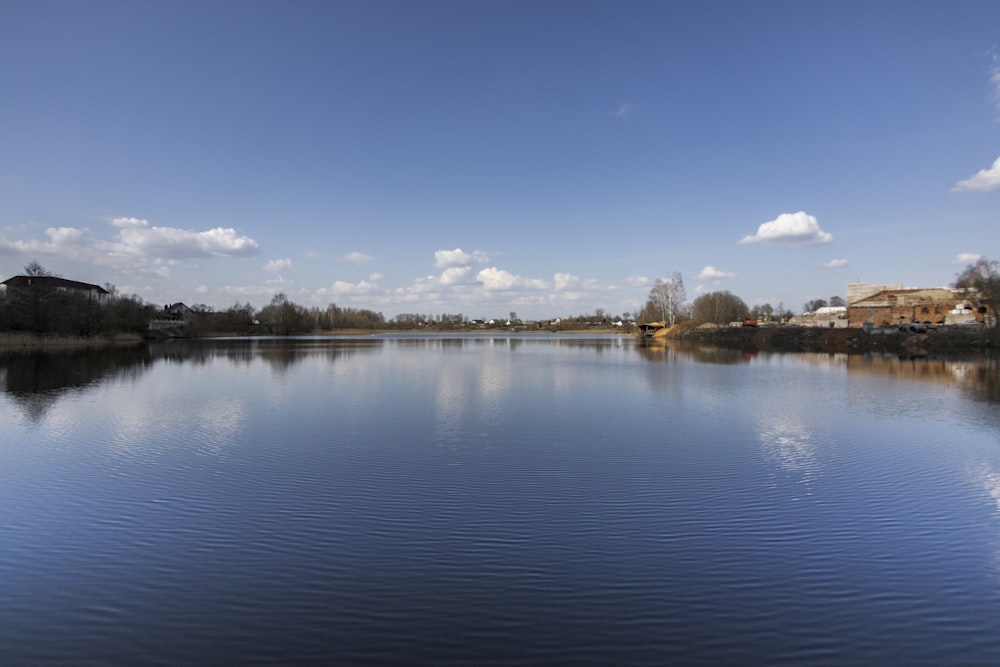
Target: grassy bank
{"x": 23, "y": 341}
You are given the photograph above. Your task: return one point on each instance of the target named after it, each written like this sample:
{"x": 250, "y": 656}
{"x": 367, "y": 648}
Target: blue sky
{"x": 478, "y": 157}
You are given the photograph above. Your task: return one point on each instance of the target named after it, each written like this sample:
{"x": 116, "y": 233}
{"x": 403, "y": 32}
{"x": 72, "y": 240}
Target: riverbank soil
{"x": 943, "y": 340}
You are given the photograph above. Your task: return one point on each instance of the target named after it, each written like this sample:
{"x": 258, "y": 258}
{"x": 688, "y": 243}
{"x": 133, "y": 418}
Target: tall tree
{"x": 284, "y": 317}
{"x": 667, "y": 298}
{"x": 718, "y": 308}
{"x": 762, "y": 312}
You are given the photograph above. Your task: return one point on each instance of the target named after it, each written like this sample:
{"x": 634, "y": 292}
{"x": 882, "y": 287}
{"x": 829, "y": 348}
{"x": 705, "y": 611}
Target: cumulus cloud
{"x": 356, "y": 257}
{"x": 794, "y": 229}
{"x": 456, "y": 275}
{"x": 983, "y": 180}
{"x": 137, "y": 248}
{"x": 499, "y": 280}
{"x": 835, "y": 264}
{"x": 566, "y": 281}
{"x": 244, "y": 292}
{"x": 712, "y": 273}
{"x": 457, "y": 257}
{"x": 278, "y": 265}
{"x": 138, "y": 237}
{"x": 420, "y": 288}
{"x": 61, "y": 241}
{"x": 967, "y": 258}
{"x": 638, "y": 281}
{"x": 345, "y": 289}
{"x": 64, "y": 235}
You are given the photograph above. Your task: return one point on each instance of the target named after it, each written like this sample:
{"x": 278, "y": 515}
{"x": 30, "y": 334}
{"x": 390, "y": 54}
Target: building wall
{"x": 826, "y": 318}
{"x": 895, "y": 307}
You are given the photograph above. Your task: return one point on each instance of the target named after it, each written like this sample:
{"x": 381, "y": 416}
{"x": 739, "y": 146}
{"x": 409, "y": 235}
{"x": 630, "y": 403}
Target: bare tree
{"x": 33, "y": 268}
{"x": 983, "y": 277}
{"x": 814, "y": 305}
{"x": 762, "y": 311}
{"x": 667, "y": 298}
{"x": 718, "y": 308}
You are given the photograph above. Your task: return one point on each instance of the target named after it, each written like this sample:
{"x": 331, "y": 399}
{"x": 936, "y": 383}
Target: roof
{"x": 893, "y": 297}
{"x": 52, "y": 281}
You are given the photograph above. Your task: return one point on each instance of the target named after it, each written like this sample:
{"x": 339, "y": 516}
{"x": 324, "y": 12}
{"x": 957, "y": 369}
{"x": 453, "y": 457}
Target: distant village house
{"x": 178, "y": 310}
{"x": 828, "y": 317}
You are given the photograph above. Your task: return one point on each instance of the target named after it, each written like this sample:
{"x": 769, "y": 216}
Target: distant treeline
{"x": 285, "y": 317}
{"x": 43, "y": 310}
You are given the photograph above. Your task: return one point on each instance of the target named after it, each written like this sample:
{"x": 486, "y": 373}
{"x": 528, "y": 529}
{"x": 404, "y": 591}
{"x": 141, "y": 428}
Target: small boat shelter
{"x": 650, "y": 328}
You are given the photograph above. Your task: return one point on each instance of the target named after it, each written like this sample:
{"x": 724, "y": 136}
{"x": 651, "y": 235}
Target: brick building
{"x": 886, "y": 306}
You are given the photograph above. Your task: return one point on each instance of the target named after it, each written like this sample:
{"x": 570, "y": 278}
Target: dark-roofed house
{"x": 95, "y": 292}
{"x": 178, "y": 310}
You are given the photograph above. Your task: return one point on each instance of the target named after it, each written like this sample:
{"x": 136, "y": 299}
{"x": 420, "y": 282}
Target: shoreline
{"x": 32, "y": 342}
{"x": 950, "y": 340}
{"x": 944, "y": 340}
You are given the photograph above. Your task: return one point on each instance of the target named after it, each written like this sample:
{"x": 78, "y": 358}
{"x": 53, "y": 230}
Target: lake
{"x": 535, "y": 499}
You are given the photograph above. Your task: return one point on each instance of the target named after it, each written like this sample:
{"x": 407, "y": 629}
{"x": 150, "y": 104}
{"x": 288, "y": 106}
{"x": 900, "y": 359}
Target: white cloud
{"x": 500, "y": 280}
{"x": 64, "y": 235}
{"x": 62, "y": 241}
{"x": 573, "y": 295}
{"x": 278, "y": 265}
{"x": 638, "y": 281}
{"x": 420, "y": 288}
{"x": 967, "y": 258}
{"x": 456, "y": 275}
{"x": 794, "y": 229}
{"x": 457, "y": 257}
{"x": 712, "y": 273}
{"x": 244, "y": 291}
{"x": 345, "y": 289}
{"x": 278, "y": 283}
{"x": 983, "y": 180}
{"x": 566, "y": 281}
{"x": 836, "y": 264}
{"x": 375, "y": 277}
{"x": 356, "y": 257}
{"x": 138, "y": 237}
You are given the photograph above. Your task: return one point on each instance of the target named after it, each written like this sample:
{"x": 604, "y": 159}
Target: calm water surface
{"x": 496, "y": 500}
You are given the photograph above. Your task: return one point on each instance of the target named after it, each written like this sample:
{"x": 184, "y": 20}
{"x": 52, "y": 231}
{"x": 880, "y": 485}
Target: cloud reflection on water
{"x": 789, "y": 443}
